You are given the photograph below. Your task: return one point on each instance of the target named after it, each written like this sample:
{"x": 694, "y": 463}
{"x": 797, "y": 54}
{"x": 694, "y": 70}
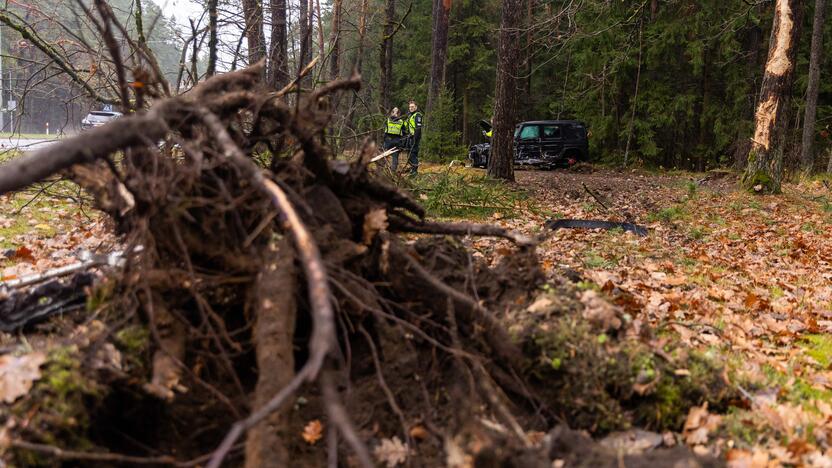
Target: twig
{"x": 62, "y": 454}
{"x": 595, "y": 197}
{"x": 391, "y": 399}
{"x": 339, "y": 418}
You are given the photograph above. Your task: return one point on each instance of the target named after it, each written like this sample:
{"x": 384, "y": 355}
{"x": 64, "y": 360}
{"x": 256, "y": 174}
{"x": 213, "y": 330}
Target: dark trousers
{"x": 413, "y": 157}
{"x": 393, "y": 141}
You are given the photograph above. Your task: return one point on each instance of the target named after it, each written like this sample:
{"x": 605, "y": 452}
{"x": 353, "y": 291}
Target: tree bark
{"x": 212, "y": 37}
{"x": 439, "y": 50}
{"x": 807, "y": 160}
{"x": 501, "y": 161}
{"x": 635, "y": 97}
{"x": 335, "y": 42}
{"x": 386, "y": 58}
{"x": 359, "y": 56}
{"x": 274, "y": 328}
{"x": 305, "y": 31}
{"x": 278, "y": 58}
{"x": 256, "y": 39}
{"x": 764, "y": 172}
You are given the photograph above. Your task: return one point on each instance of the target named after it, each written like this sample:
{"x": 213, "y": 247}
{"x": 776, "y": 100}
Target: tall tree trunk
{"x": 253, "y": 13}
{"x": 278, "y": 58}
{"x": 359, "y": 56}
{"x": 635, "y": 97}
{"x": 764, "y": 172}
{"x": 439, "y": 50}
{"x": 807, "y": 160}
{"x": 501, "y": 161}
{"x": 386, "y": 57}
{"x": 212, "y": 37}
{"x": 305, "y": 39}
{"x": 321, "y": 51}
{"x": 524, "y": 88}
{"x": 335, "y": 41}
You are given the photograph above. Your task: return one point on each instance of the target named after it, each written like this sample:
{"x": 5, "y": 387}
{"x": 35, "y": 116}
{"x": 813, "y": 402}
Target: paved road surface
{"x": 23, "y": 144}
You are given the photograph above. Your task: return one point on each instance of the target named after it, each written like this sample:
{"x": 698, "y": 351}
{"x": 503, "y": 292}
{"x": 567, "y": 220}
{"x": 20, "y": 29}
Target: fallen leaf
{"x": 419, "y": 432}
{"x": 17, "y": 373}
{"x": 23, "y": 253}
{"x": 375, "y": 221}
{"x": 313, "y": 431}
{"x": 391, "y": 452}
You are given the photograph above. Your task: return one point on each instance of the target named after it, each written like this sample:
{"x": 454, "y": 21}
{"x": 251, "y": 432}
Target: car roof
{"x": 551, "y": 122}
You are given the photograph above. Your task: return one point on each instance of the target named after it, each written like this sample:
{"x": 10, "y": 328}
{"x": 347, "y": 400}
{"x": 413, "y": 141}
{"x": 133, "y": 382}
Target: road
{"x": 23, "y": 144}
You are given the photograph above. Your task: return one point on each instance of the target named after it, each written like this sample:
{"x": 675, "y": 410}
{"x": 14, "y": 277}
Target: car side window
{"x": 551, "y": 131}
{"x": 530, "y": 132}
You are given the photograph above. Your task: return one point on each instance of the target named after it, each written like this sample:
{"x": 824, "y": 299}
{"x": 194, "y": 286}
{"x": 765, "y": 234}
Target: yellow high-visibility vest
{"x": 394, "y": 127}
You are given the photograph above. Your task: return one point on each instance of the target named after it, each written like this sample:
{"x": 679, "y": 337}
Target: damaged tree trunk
{"x": 764, "y": 172}
{"x": 274, "y": 327}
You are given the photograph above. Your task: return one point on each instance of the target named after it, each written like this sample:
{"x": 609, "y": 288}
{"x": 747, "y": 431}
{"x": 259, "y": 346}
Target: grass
{"x": 458, "y": 193}
{"x": 40, "y": 216}
{"x": 819, "y": 348}
{"x": 667, "y": 215}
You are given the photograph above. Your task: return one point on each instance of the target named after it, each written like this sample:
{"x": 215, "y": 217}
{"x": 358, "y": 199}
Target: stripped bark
{"x": 764, "y": 172}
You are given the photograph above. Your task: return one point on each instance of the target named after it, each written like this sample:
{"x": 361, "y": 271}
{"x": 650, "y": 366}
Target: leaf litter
{"x": 744, "y": 276}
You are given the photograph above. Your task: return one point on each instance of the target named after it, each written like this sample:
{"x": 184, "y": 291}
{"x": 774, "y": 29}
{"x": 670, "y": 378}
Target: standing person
{"x": 393, "y": 130}
{"x": 414, "y": 131}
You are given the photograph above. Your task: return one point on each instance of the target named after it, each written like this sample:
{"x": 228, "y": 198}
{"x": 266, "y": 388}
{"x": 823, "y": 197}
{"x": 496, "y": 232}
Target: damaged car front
{"x": 544, "y": 144}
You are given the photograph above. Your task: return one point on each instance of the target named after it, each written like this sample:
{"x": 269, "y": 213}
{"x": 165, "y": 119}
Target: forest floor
{"x": 745, "y": 280}
{"x": 742, "y": 277}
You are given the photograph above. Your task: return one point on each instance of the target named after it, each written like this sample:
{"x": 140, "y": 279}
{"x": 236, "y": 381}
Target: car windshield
{"x": 103, "y": 114}
{"x": 530, "y": 132}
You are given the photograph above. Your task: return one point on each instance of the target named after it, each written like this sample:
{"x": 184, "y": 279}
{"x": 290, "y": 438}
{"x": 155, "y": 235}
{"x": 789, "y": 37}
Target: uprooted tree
{"x": 259, "y": 284}
{"x": 265, "y": 268}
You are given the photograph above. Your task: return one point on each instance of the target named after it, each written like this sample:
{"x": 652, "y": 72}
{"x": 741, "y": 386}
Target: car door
{"x": 527, "y": 142}
{"x": 551, "y": 141}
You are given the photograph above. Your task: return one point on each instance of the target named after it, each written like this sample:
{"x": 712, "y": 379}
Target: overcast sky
{"x": 181, "y": 9}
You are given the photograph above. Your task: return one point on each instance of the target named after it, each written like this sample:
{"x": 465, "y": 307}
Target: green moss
{"x": 133, "y": 342}
{"x": 819, "y": 348}
{"x": 759, "y": 179}
{"x": 602, "y": 383}
{"x": 59, "y": 405}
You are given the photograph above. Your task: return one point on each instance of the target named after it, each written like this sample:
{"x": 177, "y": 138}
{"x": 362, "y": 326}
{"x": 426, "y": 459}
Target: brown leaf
{"x": 375, "y": 221}
{"x": 23, "y": 253}
{"x": 17, "y": 373}
{"x": 313, "y": 431}
{"x": 391, "y": 452}
{"x": 419, "y": 432}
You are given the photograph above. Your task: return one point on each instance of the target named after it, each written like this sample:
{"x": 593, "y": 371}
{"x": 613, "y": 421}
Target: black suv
{"x": 540, "y": 143}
